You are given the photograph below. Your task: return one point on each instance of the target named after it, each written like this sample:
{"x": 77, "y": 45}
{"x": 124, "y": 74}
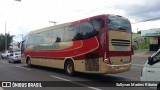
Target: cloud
{"x": 34, "y": 14}
{"x": 141, "y": 9}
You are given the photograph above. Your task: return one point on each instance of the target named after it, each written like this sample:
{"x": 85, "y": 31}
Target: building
{"x": 154, "y": 35}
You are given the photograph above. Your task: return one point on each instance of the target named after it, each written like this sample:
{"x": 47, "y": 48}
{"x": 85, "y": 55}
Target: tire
{"x": 29, "y": 62}
{"x": 9, "y": 61}
{"x": 13, "y": 61}
{"x": 2, "y": 57}
{"x": 69, "y": 68}
{"x": 158, "y": 87}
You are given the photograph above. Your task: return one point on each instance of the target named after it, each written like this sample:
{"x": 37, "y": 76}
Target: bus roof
{"x": 48, "y": 28}
{"x": 63, "y": 25}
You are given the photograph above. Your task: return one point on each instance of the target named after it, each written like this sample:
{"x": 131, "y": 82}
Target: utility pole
{"x": 5, "y": 37}
{"x": 21, "y": 35}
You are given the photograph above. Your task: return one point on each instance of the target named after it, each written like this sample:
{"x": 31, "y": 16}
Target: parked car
{"x": 15, "y": 57}
{"x": 151, "y": 69}
{"x": 6, "y": 54}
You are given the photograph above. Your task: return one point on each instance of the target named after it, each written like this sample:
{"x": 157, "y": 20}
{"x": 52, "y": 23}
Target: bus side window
{"x": 58, "y": 35}
{"x": 72, "y": 33}
{"x": 86, "y": 30}
{"x": 58, "y": 39}
{"x": 78, "y": 35}
{"x": 30, "y": 40}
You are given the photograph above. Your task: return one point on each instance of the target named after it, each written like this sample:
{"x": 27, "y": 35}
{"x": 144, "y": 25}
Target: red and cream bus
{"x": 99, "y": 44}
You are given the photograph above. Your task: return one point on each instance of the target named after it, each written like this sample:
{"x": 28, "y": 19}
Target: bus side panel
{"x": 54, "y": 63}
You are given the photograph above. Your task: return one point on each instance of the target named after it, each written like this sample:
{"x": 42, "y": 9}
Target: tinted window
{"x": 58, "y": 35}
{"x": 78, "y": 35}
{"x": 156, "y": 58}
{"x": 119, "y": 23}
{"x": 38, "y": 38}
{"x": 80, "y": 31}
{"x": 72, "y": 33}
{"x": 97, "y": 23}
{"x": 87, "y": 30}
{"x": 30, "y": 39}
{"x": 47, "y": 36}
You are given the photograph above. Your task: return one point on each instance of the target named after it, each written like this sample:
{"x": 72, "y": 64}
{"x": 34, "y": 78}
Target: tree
{"x": 139, "y": 32}
{"x": 2, "y": 41}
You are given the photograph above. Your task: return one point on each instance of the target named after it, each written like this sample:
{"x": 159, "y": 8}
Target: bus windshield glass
{"x": 119, "y": 23}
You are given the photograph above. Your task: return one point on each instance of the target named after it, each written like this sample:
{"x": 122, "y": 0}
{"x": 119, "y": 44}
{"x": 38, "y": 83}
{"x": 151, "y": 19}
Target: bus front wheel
{"x": 158, "y": 86}
{"x": 69, "y": 68}
{"x": 2, "y": 57}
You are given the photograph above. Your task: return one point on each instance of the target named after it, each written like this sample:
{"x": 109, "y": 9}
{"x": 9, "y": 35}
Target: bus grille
{"x": 120, "y": 42}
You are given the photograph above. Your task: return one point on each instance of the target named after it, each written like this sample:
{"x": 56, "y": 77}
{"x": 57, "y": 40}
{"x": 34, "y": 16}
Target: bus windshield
{"x": 119, "y": 23}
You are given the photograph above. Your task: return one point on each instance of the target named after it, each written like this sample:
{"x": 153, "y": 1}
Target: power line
{"x": 151, "y": 19}
{"x": 111, "y": 5}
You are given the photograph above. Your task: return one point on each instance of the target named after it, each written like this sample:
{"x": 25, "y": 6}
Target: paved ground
{"x": 20, "y": 72}
{"x": 143, "y": 53}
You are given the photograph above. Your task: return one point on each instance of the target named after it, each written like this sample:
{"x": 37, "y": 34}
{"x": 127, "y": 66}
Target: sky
{"x": 27, "y": 15}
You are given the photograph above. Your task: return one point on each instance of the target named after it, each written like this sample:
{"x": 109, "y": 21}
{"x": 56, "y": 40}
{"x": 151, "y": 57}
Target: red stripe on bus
{"x": 75, "y": 22}
{"x": 119, "y": 53}
{"x": 88, "y": 46}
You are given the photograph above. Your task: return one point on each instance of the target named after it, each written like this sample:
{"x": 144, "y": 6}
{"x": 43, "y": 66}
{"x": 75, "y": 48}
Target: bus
{"x": 99, "y": 44}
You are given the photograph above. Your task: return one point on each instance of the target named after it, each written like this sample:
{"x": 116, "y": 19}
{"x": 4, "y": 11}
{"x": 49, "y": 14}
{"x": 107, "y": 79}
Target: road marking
{"x": 22, "y": 67}
{"x": 4, "y": 62}
{"x": 75, "y": 82}
{"x": 124, "y": 77}
{"x": 1, "y": 88}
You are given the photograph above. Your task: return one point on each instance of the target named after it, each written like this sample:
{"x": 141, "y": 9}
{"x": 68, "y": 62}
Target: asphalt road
{"x": 21, "y": 72}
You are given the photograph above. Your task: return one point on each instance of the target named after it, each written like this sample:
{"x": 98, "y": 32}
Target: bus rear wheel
{"x": 69, "y": 68}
